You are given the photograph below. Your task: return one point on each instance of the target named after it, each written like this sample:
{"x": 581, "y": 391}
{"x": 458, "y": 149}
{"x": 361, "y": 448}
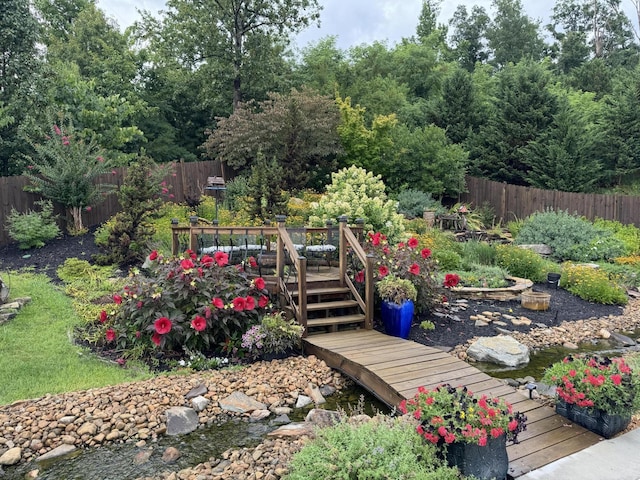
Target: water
{"x": 116, "y": 462}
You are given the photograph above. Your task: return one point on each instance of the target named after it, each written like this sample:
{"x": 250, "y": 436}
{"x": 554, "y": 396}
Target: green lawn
{"x": 37, "y": 355}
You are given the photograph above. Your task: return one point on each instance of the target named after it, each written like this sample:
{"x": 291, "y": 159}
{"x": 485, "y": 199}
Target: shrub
{"x": 356, "y": 193}
{"x": 384, "y": 448}
{"x": 477, "y": 252}
{"x": 569, "y": 236}
{"x": 523, "y": 263}
{"x": 483, "y": 276}
{"x": 236, "y": 193}
{"x": 447, "y": 259}
{"x": 592, "y": 284}
{"x": 33, "y": 229}
{"x": 412, "y": 203}
{"x": 629, "y": 235}
{"x": 274, "y": 335}
{"x": 185, "y": 303}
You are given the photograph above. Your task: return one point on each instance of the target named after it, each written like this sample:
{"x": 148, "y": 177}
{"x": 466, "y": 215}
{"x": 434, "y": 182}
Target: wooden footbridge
{"x": 392, "y": 369}
{"x": 337, "y": 313}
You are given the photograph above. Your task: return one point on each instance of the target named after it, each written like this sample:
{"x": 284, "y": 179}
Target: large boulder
{"x": 181, "y": 420}
{"x": 502, "y": 350}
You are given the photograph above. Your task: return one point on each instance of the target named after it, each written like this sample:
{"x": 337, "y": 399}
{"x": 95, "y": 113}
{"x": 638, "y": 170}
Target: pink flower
{"x": 165, "y": 191}
{"x": 117, "y": 299}
{"x": 238, "y": 304}
{"x": 186, "y": 264}
{"x": 217, "y": 302}
{"x": 482, "y": 441}
{"x": 56, "y": 129}
{"x": 110, "y": 335}
{"x": 171, "y": 195}
{"x": 252, "y": 262}
{"x": 156, "y": 338}
{"x": 30, "y": 167}
{"x": 153, "y": 255}
{"x": 249, "y": 303}
{"x": 414, "y": 269}
{"x": 221, "y": 258}
{"x": 263, "y": 301}
{"x": 199, "y": 323}
{"x": 103, "y": 316}
{"x": 113, "y": 172}
{"x": 259, "y": 283}
{"x": 207, "y": 261}
{"x": 616, "y": 378}
{"x": 425, "y": 253}
{"x": 412, "y": 243}
{"x": 139, "y": 304}
{"x": 138, "y": 333}
{"x": 100, "y": 159}
{"x": 65, "y": 141}
{"x": 162, "y": 325}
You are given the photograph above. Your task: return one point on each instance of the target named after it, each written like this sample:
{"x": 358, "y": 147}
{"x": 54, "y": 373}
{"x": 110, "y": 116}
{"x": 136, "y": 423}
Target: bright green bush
{"x": 524, "y": 263}
{"x": 412, "y": 203}
{"x": 629, "y": 235}
{"x": 33, "y": 229}
{"x": 382, "y": 449}
{"x": 592, "y": 284}
{"x": 483, "y": 276}
{"x": 569, "y": 236}
{"x": 627, "y": 275}
{"x": 447, "y": 259}
{"x": 356, "y": 193}
{"x": 477, "y": 252}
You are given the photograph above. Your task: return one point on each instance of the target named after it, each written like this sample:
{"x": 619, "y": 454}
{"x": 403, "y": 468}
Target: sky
{"x": 354, "y": 22}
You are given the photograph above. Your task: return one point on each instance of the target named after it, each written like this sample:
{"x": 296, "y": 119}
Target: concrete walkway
{"x": 615, "y": 459}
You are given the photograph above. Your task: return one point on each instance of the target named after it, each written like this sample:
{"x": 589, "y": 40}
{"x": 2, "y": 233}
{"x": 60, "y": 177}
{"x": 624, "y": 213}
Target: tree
{"x": 299, "y": 129}
{"x": 323, "y": 67}
{"x": 66, "y": 171}
{"x": 232, "y": 32}
{"x": 458, "y": 111}
{"x": 469, "y": 36}
{"x": 512, "y": 35}
{"x": 265, "y": 189}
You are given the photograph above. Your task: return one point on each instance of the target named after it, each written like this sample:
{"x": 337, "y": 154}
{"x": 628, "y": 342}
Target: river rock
{"x": 58, "y": 452}
{"x": 281, "y": 420}
{"x": 240, "y": 403}
{"x": 327, "y": 390}
{"x": 303, "y": 401}
{"x": 604, "y": 333}
{"x": 521, "y": 321}
{"x": 199, "y": 403}
{"x": 314, "y": 393}
{"x": 196, "y": 391}
{"x": 322, "y": 418}
{"x": 502, "y": 349}
{"x": 181, "y": 420}
{"x": 258, "y": 415}
{"x": 11, "y": 456}
{"x": 623, "y": 339}
{"x": 293, "y": 430}
{"x": 88, "y": 428}
{"x": 171, "y": 455}
{"x": 142, "y": 457}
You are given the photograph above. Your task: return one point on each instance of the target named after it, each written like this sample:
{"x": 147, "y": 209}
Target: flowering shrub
{"x": 274, "y": 335}
{"x": 186, "y": 303}
{"x": 408, "y": 261}
{"x": 604, "y": 383}
{"x": 592, "y": 284}
{"x": 447, "y": 414}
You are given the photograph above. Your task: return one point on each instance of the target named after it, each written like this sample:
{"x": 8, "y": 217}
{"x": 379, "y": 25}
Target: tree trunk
{"x": 76, "y": 215}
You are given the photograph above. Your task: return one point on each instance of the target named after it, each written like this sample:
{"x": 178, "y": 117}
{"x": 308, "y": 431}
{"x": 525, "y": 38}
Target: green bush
{"x": 524, "y": 263}
{"x": 592, "y": 284}
{"x": 629, "y": 235}
{"x": 483, "y": 276}
{"x": 274, "y": 335}
{"x": 381, "y": 449}
{"x": 569, "y": 236}
{"x": 477, "y": 252}
{"x": 412, "y": 203}
{"x": 236, "y": 193}
{"x": 33, "y": 229}
{"x": 447, "y": 259}
{"x": 626, "y": 275}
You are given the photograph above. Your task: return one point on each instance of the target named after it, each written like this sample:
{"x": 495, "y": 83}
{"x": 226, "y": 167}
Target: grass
{"x": 38, "y": 356}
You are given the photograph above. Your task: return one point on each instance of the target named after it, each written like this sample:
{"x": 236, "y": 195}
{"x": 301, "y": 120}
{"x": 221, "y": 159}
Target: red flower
{"x": 110, "y": 334}
{"x": 56, "y": 129}
{"x": 386, "y": 250}
{"x": 359, "y": 277}
{"x": 249, "y": 303}
{"x": 103, "y": 316}
{"x": 238, "y": 304}
{"x": 375, "y": 238}
{"x": 191, "y": 253}
{"x": 156, "y": 338}
{"x": 482, "y": 441}
{"x": 186, "y": 264}
{"x": 139, "y": 304}
{"x": 252, "y": 262}
{"x": 412, "y": 243}
{"x": 425, "y": 253}
{"x": 221, "y": 258}
{"x": 217, "y": 302}
{"x": 259, "y": 283}
{"x": 199, "y": 323}
{"x": 414, "y": 269}
{"x": 138, "y": 333}
{"x": 616, "y": 378}
{"x": 153, "y": 255}
{"x": 383, "y": 271}
{"x": 162, "y": 325}
{"x": 451, "y": 280}
{"x": 513, "y": 424}
{"x": 117, "y": 299}
{"x": 400, "y": 245}
{"x": 207, "y": 261}
{"x": 263, "y": 301}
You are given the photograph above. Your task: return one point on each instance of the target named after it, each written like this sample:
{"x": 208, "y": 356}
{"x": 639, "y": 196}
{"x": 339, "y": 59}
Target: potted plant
{"x": 275, "y": 337}
{"x": 471, "y": 430}
{"x": 398, "y": 295}
{"x": 597, "y": 392}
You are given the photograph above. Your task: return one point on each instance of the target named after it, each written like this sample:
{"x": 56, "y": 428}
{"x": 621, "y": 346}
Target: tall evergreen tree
{"x": 469, "y": 36}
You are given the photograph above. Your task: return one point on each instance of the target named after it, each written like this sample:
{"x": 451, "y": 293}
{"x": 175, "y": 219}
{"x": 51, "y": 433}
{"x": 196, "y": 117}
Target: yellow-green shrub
{"x": 592, "y": 284}
{"x": 523, "y": 263}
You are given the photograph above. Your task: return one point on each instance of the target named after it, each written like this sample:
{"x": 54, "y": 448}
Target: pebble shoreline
{"x": 135, "y": 412}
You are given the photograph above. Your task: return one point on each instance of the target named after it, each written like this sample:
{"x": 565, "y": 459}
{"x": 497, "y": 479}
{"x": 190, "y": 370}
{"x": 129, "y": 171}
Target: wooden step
{"x": 314, "y": 307}
{"x": 341, "y": 320}
{"x": 323, "y": 291}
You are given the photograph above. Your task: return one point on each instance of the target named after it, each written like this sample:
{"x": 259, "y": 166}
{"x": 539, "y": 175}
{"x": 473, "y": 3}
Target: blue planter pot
{"x": 397, "y": 318}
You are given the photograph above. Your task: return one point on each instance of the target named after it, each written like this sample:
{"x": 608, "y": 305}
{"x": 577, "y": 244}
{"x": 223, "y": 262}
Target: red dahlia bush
{"x": 185, "y": 303}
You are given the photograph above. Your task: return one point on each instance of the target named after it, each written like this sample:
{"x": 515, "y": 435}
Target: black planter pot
{"x": 484, "y": 463}
{"x": 593, "y": 419}
{"x": 553, "y": 279}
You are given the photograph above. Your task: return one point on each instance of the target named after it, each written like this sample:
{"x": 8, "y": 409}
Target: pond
{"x": 116, "y": 462}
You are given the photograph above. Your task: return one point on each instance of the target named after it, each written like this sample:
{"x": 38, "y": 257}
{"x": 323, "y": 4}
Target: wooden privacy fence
{"x": 187, "y": 180}
{"x": 512, "y": 202}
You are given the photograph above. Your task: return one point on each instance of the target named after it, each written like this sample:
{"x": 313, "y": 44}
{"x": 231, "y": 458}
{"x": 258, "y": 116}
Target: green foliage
{"x": 427, "y": 325}
{"x": 592, "y": 284}
{"x": 265, "y": 195}
{"x": 447, "y": 259}
{"x": 274, "y": 335}
{"x": 483, "y": 276}
{"x": 626, "y": 275}
{"x": 412, "y": 203}
{"x": 570, "y": 237}
{"x": 478, "y": 252}
{"x": 356, "y": 193}
{"x": 385, "y": 448}
{"x": 185, "y": 303}
{"x": 139, "y": 197}
{"x": 629, "y": 235}
{"x": 33, "y": 229}
{"x": 236, "y": 191}
{"x": 66, "y": 170}
{"x": 396, "y": 290}
{"x": 523, "y": 263}
{"x": 514, "y": 227}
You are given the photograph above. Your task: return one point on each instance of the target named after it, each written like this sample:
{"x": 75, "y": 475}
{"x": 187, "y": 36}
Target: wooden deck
{"x": 392, "y": 369}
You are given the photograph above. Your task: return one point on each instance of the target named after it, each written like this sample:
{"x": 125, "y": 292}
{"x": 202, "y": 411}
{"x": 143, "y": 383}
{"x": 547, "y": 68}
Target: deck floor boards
{"x": 392, "y": 369}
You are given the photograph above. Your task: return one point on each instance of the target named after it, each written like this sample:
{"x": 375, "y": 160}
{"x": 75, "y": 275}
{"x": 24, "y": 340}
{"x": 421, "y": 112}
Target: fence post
{"x": 342, "y": 222}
